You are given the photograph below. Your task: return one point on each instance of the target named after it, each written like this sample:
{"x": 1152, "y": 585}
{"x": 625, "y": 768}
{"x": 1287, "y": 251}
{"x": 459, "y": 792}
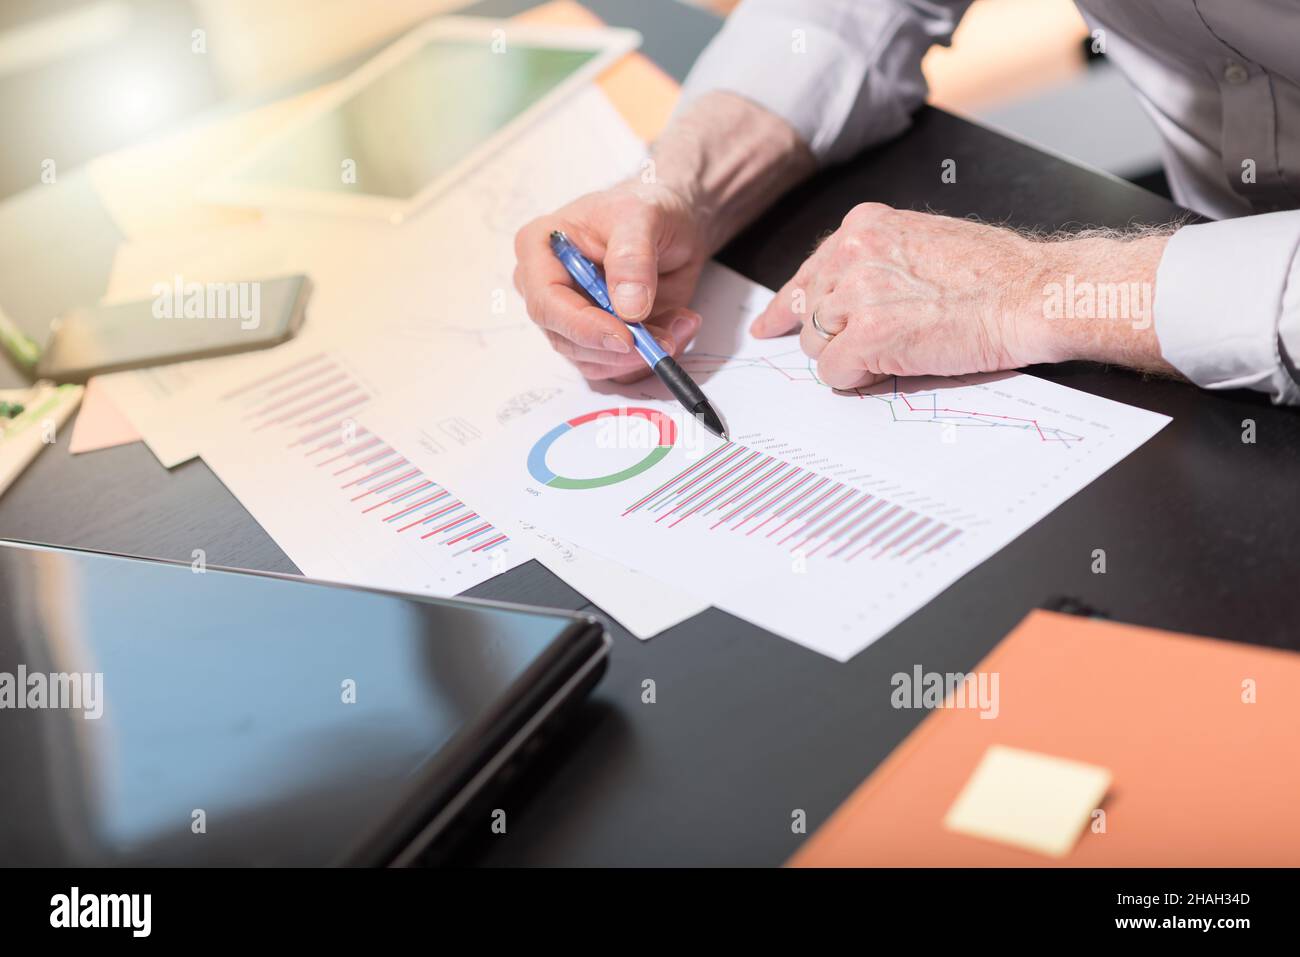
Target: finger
{"x": 792, "y": 303}
{"x": 841, "y": 366}
{"x": 831, "y": 317}
{"x": 618, "y": 362}
{"x": 561, "y": 309}
{"x": 599, "y": 372}
{"x": 674, "y": 331}
{"x": 553, "y": 302}
{"x": 676, "y": 289}
{"x": 632, "y": 262}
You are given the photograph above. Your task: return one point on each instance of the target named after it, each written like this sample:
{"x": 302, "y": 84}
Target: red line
{"x": 378, "y": 472}
{"x": 479, "y": 548}
{"x": 983, "y": 415}
{"x": 305, "y": 406}
{"x": 944, "y": 541}
{"x": 338, "y": 441}
{"x": 388, "y": 450}
{"x": 432, "y": 515}
{"x": 793, "y": 502}
{"x": 934, "y": 530}
{"x": 469, "y": 534}
{"x": 334, "y": 411}
{"x": 443, "y": 528}
{"x": 833, "y": 507}
{"x": 838, "y": 486}
{"x": 407, "y": 509}
{"x": 883, "y": 517}
{"x": 763, "y": 494}
{"x": 269, "y": 378}
{"x": 886, "y": 532}
{"x": 762, "y": 483}
{"x": 317, "y": 434}
{"x": 774, "y": 470}
{"x": 704, "y": 489}
{"x": 794, "y": 518}
{"x": 280, "y": 403}
{"x": 717, "y": 495}
{"x": 386, "y": 485}
{"x": 682, "y": 475}
{"x": 344, "y": 454}
{"x": 303, "y": 378}
{"x": 911, "y": 529}
{"x": 402, "y": 494}
{"x": 844, "y": 528}
{"x": 710, "y": 486}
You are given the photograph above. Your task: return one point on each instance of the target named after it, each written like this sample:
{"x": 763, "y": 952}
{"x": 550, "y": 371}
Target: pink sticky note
{"x": 100, "y": 423}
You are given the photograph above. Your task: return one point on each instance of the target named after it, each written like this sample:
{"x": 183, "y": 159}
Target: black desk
{"x": 1200, "y": 532}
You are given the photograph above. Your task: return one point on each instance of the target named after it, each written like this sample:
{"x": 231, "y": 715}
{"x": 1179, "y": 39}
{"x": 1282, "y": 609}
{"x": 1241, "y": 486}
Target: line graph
{"x": 924, "y": 406}
{"x": 746, "y": 492}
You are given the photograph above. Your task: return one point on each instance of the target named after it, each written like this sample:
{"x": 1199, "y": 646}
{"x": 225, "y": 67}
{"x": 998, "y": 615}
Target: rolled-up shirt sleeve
{"x": 1227, "y": 304}
{"x": 845, "y": 74}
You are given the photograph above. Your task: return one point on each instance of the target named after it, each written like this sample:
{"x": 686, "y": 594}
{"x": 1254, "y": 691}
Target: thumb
{"x": 632, "y": 264}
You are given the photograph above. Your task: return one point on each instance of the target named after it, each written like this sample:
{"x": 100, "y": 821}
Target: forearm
{"x": 729, "y": 159}
{"x": 1094, "y": 298}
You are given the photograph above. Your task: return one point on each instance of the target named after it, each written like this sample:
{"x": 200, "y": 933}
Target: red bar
{"x": 472, "y": 532}
{"x": 272, "y": 377}
{"x": 424, "y": 518}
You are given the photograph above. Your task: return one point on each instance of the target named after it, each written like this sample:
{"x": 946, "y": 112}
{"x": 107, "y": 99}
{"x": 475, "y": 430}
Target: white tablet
{"x": 427, "y": 109}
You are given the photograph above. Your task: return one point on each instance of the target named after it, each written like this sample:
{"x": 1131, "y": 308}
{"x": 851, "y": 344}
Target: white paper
{"x": 433, "y": 290}
{"x": 344, "y": 504}
{"x": 830, "y": 517}
{"x": 642, "y": 605}
{"x": 392, "y": 305}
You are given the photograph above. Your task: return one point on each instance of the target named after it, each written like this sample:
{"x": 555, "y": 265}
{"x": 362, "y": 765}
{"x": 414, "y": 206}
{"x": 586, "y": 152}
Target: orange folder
{"x": 1201, "y": 775}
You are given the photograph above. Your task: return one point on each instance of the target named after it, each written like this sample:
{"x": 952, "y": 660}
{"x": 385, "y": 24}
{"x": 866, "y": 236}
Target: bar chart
{"x": 740, "y": 490}
{"x": 308, "y": 409}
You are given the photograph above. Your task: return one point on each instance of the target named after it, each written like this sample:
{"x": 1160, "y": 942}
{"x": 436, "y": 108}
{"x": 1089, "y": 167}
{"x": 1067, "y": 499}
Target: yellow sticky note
{"x": 1033, "y": 801}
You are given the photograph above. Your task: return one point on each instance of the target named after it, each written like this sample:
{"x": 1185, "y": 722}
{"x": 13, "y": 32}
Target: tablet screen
{"x": 415, "y": 121}
{"x": 173, "y": 715}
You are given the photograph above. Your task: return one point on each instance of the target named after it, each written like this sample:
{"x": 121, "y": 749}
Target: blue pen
{"x": 589, "y": 278}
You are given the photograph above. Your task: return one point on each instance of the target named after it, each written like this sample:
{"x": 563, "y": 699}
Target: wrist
{"x": 1092, "y": 299}
{"x": 727, "y": 159}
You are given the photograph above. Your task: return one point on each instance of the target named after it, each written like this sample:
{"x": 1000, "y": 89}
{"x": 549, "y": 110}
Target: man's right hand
{"x": 649, "y": 242}
{"x": 718, "y": 165}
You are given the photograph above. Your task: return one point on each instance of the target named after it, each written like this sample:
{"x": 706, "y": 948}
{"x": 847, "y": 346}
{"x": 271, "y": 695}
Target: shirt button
{"x": 1235, "y": 73}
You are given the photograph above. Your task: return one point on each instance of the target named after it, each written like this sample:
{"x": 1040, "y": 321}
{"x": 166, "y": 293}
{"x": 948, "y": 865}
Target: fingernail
{"x": 682, "y": 328}
{"x": 631, "y": 299}
{"x": 614, "y": 343}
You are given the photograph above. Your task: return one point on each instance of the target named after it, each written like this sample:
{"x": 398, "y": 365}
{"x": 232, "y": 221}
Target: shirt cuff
{"x": 1227, "y": 304}
{"x": 817, "y": 65}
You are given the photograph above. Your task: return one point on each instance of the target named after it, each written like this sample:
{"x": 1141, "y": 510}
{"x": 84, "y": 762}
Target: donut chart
{"x": 541, "y": 472}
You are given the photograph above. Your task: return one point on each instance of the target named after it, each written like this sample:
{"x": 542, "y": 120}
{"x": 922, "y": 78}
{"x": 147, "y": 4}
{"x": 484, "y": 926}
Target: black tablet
{"x": 157, "y": 713}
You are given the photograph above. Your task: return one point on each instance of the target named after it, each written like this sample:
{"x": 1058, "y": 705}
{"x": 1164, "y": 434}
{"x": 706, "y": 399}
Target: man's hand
{"x": 906, "y": 293}
{"x": 715, "y": 168}
{"x": 650, "y": 244}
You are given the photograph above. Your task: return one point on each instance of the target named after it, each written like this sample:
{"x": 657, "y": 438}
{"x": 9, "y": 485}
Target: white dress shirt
{"x": 1220, "y": 79}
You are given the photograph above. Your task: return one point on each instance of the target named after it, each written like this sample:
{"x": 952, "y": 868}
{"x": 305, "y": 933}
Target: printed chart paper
{"x": 641, "y": 604}
{"x": 829, "y": 517}
{"x": 344, "y": 504}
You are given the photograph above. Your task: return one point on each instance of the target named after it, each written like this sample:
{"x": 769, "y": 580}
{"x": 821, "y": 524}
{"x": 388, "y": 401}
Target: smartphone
{"x": 180, "y": 322}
